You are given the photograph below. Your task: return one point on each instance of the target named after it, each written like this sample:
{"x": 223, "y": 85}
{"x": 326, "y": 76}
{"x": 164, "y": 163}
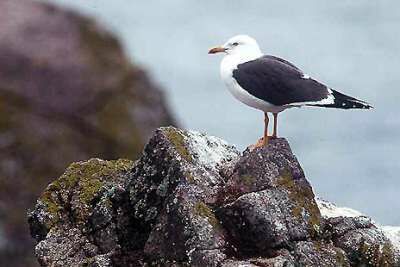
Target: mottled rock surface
{"x": 161, "y": 212}
{"x": 194, "y": 200}
{"x": 267, "y": 202}
{"x": 67, "y": 93}
{"x": 364, "y": 242}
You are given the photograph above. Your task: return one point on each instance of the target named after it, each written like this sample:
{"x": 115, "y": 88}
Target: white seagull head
{"x": 239, "y": 45}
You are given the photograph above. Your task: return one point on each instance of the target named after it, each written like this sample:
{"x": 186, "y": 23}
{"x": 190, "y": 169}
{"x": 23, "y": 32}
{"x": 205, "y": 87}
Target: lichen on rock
{"x": 193, "y": 200}
{"x": 70, "y": 198}
{"x": 177, "y": 138}
{"x": 364, "y": 242}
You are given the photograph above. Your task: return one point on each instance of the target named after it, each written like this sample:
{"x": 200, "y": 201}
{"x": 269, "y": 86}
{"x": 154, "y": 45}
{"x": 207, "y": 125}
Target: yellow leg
{"x": 275, "y": 133}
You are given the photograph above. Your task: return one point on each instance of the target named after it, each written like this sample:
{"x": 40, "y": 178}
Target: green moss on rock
{"x": 89, "y": 189}
{"x": 303, "y": 198}
{"x": 92, "y": 174}
{"x": 375, "y": 254}
{"x": 178, "y": 141}
{"x": 203, "y": 210}
{"x": 85, "y": 179}
{"x": 387, "y": 255}
{"x": 53, "y": 207}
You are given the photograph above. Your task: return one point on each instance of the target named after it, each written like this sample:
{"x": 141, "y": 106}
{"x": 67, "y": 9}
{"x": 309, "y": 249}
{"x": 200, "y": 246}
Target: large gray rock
{"x": 193, "y": 200}
{"x": 67, "y": 93}
{"x": 273, "y": 202}
{"x": 160, "y": 213}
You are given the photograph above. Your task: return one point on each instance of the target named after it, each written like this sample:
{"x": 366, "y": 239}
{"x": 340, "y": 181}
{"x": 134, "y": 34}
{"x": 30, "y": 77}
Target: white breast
{"x": 228, "y": 64}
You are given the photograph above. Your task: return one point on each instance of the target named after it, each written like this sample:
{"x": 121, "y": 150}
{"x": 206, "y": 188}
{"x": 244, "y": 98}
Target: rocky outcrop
{"x": 365, "y": 242}
{"x": 67, "y": 93}
{"x": 194, "y": 200}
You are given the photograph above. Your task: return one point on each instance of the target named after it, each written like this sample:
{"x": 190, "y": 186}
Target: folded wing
{"x": 279, "y": 82}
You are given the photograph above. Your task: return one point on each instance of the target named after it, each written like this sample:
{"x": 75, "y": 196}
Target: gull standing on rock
{"x": 272, "y": 84}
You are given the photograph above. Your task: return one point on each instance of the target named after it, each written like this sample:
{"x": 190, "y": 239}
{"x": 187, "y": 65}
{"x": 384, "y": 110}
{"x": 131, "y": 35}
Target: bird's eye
{"x": 235, "y": 44}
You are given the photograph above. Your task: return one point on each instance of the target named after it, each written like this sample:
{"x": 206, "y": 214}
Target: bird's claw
{"x": 261, "y": 143}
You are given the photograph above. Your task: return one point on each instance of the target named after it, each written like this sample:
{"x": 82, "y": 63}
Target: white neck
{"x": 244, "y": 54}
{"x": 231, "y": 60}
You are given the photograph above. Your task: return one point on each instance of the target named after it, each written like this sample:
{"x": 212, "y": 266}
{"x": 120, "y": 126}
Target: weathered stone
{"x": 212, "y": 258}
{"x": 274, "y": 203}
{"x": 363, "y": 242}
{"x": 78, "y": 217}
{"x": 188, "y": 202}
{"x": 162, "y": 207}
{"x": 65, "y": 247}
{"x": 318, "y": 253}
{"x": 282, "y": 259}
{"x": 368, "y": 246}
{"x": 173, "y": 188}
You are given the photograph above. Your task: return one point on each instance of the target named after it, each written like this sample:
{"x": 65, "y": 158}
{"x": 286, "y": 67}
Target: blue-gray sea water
{"x": 350, "y": 157}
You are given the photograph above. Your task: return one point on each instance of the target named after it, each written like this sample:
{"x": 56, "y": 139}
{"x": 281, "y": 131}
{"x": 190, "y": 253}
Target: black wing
{"x": 278, "y": 82}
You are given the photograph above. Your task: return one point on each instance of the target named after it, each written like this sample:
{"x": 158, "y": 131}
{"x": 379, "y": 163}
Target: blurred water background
{"x": 350, "y": 157}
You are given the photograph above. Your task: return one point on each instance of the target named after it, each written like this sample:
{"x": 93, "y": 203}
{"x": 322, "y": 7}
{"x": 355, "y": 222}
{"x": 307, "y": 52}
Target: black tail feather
{"x": 343, "y": 101}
